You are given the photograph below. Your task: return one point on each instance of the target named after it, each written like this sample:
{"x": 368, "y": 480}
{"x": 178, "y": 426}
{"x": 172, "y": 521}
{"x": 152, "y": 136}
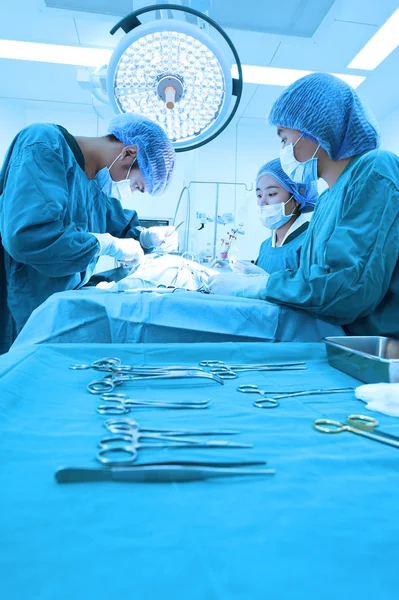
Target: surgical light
{"x": 175, "y": 73}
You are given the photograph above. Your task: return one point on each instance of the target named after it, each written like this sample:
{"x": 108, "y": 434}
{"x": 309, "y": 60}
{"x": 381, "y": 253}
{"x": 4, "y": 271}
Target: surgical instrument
{"x": 110, "y": 365}
{"x": 162, "y": 472}
{"x": 228, "y": 373}
{"x": 121, "y": 404}
{"x": 272, "y": 402}
{"x": 231, "y": 371}
{"x": 122, "y": 449}
{"x": 104, "y": 364}
{"x": 219, "y": 364}
{"x": 110, "y": 382}
{"x": 126, "y": 425}
{"x": 359, "y": 424}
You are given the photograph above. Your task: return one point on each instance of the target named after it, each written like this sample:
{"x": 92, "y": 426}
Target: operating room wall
{"x": 390, "y": 132}
{"x": 232, "y": 158}
{"x": 12, "y": 118}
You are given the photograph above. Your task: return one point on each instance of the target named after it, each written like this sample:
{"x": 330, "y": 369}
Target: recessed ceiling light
{"x": 379, "y": 47}
{"x": 283, "y": 77}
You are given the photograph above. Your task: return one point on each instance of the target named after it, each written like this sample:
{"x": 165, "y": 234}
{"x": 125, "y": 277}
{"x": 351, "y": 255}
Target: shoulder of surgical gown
{"x": 351, "y": 252}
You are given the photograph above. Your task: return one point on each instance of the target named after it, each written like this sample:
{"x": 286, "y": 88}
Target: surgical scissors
{"x": 111, "y": 381}
{"x": 359, "y": 424}
{"x": 272, "y": 402}
{"x": 121, "y": 404}
{"x": 122, "y": 448}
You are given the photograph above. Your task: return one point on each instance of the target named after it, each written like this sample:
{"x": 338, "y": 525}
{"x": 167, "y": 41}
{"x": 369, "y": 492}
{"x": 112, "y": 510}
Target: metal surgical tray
{"x": 372, "y": 359}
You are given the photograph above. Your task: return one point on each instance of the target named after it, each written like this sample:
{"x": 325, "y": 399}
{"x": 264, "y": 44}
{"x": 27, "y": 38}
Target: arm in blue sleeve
{"x": 360, "y": 258}
{"x": 121, "y": 223}
{"x": 35, "y": 223}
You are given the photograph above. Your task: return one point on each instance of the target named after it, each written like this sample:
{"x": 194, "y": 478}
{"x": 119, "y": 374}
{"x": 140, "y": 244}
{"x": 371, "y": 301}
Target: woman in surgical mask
{"x": 349, "y": 268}
{"x": 284, "y": 208}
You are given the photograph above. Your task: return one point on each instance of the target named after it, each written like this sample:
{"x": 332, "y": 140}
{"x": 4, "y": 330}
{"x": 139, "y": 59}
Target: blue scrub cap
{"x": 305, "y": 195}
{"x": 328, "y": 111}
{"x": 156, "y": 155}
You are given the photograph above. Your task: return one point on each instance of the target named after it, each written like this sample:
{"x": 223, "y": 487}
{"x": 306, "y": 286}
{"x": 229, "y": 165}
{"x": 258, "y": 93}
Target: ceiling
{"x": 290, "y": 17}
{"x": 301, "y": 34}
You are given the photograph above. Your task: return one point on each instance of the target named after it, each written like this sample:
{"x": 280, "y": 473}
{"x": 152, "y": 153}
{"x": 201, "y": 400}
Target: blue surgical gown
{"x": 349, "y": 272}
{"x": 282, "y": 257}
{"x": 47, "y": 207}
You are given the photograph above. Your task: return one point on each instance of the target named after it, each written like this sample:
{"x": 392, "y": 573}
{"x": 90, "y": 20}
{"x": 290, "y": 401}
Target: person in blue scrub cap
{"x": 285, "y": 208}
{"x": 348, "y": 273}
{"x": 61, "y": 208}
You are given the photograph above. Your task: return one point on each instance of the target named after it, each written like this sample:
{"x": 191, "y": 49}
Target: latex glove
{"x": 217, "y": 263}
{"x": 241, "y": 266}
{"x": 237, "y": 284}
{"x": 165, "y": 237}
{"x": 125, "y": 250}
{"x": 381, "y": 397}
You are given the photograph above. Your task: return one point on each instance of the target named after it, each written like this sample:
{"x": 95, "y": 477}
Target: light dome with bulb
{"x": 175, "y": 73}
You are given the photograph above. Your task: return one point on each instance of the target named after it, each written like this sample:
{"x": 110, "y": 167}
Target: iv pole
{"x": 215, "y": 223}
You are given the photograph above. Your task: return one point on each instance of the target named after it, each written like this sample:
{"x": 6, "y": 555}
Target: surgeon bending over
{"x": 60, "y": 209}
{"x": 348, "y": 273}
{"x": 285, "y": 208}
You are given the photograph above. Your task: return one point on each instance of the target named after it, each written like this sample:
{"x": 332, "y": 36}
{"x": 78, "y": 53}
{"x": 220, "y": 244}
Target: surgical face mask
{"x": 299, "y": 172}
{"x": 273, "y": 216}
{"x": 120, "y": 190}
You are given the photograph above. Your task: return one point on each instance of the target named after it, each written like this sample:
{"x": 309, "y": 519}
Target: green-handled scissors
{"x": 359, "y": 424}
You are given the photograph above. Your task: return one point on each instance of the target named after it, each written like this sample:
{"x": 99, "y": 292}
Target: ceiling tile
{"x": 332, "y": 52}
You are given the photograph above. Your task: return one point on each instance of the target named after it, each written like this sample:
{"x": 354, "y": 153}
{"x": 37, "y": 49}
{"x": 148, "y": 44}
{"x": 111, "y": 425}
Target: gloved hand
{"x": 237, "y": 284}
{"x": 154, "y": 237}
{"x": 126, "y": 250}
{"x": 216, "y": 263}
{"x": 241, "y": 266}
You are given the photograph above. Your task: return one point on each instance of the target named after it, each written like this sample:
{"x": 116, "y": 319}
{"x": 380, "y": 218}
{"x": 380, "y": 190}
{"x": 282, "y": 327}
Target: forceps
{"x": 225, "y": 371}
{"x": 114, "y": 365}
{"x": 109, "y": 383}
{"x": 272, "y": 402}
{"x": 359, "y": 424}
{"x": 121, "y": 404}
{"x": 122, "y": 449}
{"x": 162, "y": 472}
{"x": 104, "y": 364}
{"x": 128, "y": 426}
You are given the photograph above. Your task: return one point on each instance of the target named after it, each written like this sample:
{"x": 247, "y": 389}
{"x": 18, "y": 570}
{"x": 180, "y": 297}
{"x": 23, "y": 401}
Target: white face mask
{"x": 120, "y": 190}
{"x": 273, "y": 216}
{"x": 299, "y": 172}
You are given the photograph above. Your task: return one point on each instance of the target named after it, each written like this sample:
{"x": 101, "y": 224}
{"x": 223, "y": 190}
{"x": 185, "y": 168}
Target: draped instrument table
{"x": 325, "y": 526}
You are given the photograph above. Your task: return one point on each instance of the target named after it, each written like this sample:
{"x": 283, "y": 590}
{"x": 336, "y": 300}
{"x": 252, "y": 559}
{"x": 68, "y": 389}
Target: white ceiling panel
{"x": 374, "y": 12}
{"x": 36, "y": 26}
{"x": 105, "y": 7}
{"x": 254, "y": 48}
{"x": 97, "y": 33}
{"x": 261, "y": 101}
{"x": 285, "y": 17}
{"x": 40, "y": 81}
{"x": 332, "y": 52}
